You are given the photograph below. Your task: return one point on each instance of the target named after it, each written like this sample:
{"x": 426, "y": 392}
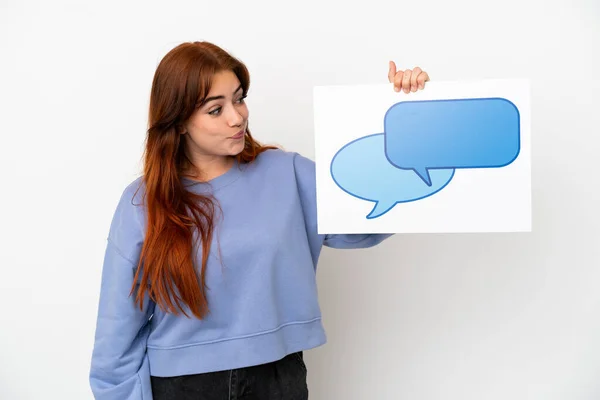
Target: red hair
{"x": 167, "y": 270}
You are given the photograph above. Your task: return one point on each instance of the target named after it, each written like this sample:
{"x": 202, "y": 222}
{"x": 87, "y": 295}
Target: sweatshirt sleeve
{"x": 119, "y": 366}
{"x": 306, "y": 179}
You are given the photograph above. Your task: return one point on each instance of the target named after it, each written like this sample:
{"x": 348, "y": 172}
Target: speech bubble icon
{"x": 361, "y": 169}
{"x": 459, "y": 133}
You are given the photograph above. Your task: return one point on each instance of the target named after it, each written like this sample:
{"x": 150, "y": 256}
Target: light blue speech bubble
{"x": 361, "y": 169}
{"x": 459, "y": 133}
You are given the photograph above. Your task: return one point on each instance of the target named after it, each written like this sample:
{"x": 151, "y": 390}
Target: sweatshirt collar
{"x": 220, "y": 181}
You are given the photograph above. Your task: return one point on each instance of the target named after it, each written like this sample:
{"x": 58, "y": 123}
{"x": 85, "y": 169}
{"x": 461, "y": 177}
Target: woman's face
{"x": 218, "y": 127}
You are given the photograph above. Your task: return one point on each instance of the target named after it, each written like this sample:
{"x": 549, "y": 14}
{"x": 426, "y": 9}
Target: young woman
{"x": 208, "y": 284}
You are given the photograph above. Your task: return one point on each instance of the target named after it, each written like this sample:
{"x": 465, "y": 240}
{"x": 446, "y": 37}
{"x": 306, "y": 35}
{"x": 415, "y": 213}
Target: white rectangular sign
{"x": 453, "y": 157}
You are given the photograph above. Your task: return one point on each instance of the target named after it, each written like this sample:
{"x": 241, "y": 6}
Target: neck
{"x": 209, "y": 168}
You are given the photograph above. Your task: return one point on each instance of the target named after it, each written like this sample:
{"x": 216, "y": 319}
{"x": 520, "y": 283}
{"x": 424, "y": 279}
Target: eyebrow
{"x": 219, "y": 97}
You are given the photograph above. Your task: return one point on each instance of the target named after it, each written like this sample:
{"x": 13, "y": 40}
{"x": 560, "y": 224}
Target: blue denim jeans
{"x": 284, "y": 379}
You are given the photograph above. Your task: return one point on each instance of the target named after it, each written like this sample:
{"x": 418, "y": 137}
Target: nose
{"x": 235, "y": 118}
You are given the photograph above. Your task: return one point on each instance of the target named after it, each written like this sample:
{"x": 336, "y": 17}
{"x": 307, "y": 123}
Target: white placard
{"x": 453, "y": 157}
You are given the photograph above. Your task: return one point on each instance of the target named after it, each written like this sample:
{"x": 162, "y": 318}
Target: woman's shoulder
{"x": 286, "y": 165}
{"x": 280, "y": 157}
{"x": 129, "y": 211}
{"x": 274, "y": 156}
{"x": 132, "y": 195}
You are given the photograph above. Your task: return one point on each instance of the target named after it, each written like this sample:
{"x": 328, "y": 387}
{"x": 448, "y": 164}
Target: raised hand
{"x": 407, "y": 80}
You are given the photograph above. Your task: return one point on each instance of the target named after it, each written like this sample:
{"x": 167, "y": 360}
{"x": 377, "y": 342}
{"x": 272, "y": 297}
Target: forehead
{"x": 223, "y": 84}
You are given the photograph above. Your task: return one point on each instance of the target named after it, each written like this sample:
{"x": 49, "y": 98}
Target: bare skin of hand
{"x": 409, "y": 80}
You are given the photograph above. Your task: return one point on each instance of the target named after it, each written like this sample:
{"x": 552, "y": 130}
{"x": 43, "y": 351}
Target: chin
{"x": 238, "y": 147}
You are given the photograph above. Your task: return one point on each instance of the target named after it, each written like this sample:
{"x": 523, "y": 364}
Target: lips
{"x": 239, "y": 135}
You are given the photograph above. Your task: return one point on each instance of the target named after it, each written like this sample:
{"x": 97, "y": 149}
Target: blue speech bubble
{"x": 458, "y": 133}
{"x": 361, "y": 169}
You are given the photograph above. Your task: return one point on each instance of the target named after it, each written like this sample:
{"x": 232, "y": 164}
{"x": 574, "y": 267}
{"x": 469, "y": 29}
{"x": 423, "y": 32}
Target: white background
{"x": 475, "y": 200}
{"x": 421, "y": 317}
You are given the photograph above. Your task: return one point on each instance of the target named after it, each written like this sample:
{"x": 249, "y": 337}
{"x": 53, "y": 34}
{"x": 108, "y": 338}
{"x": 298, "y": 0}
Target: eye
{"x": 217, "y": 110}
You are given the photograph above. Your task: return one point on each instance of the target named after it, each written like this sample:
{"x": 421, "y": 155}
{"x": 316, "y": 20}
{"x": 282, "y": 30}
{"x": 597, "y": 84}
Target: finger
{"x": 406, "y": 80}
{"x": 392, "y": 71}
{"x": 413, "y": 79}
{"x": 398, "y": 81}
{"x": 421, "y": 79}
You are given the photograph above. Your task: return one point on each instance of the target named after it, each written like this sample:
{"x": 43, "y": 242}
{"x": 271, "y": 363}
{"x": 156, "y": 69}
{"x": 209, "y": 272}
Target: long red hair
{"x": 167, "y": 271}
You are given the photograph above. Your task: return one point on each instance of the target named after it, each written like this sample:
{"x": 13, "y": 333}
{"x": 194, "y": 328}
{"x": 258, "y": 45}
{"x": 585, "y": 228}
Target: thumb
{"x": 392, "y": 71}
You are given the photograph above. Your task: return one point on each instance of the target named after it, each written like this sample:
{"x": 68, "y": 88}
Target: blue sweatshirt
{"x": 262, "y": 292}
